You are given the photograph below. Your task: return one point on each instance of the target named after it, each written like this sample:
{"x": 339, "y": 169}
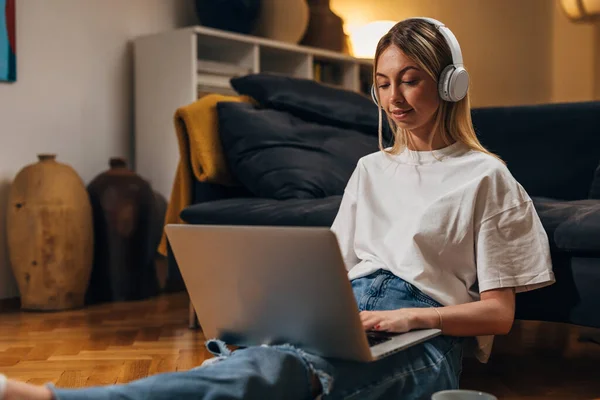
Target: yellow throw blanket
{"x": 200, "y": 154}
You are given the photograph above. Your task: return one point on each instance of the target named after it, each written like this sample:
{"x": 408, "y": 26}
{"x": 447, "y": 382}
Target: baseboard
{"x": 10, "y": 304}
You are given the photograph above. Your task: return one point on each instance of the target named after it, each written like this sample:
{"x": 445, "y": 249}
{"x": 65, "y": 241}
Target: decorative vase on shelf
{"x": 50, "y": 235}
{"x": 284, "y": 21}
{"x": 230, "y": 15}
{"x": 325, "y": 28}
{"x": 126, "y": 222}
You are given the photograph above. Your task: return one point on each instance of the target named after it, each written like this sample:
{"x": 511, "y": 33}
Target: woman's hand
{"x": 398, "y": 321}
{"x": 401, "y": 320}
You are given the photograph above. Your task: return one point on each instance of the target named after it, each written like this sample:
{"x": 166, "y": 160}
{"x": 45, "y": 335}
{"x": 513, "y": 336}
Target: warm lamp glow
{"x": 365, "y": 38}
{"x": 581, "y": 10}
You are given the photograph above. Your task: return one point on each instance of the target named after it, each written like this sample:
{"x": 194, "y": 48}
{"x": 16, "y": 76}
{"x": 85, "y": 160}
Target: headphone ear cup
{"x": 374, "y": 95}
{"x": 453, "y": 84}
{"x": 444, "y": 83}
{"x": 458, "y": 84}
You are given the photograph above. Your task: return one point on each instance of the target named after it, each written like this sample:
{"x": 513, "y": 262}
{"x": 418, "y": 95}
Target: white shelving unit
{"x": 166, "y": 78}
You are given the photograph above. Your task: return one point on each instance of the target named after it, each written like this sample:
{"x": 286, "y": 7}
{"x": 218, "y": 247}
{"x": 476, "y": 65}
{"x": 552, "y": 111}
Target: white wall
{"x": 74, "y": 93}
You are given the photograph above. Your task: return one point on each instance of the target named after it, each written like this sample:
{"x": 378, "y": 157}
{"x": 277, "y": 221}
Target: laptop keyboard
{"x": 375, "y": 338}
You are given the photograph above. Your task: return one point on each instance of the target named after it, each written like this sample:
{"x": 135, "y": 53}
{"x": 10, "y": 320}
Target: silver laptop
{"x": 254, "y": 285}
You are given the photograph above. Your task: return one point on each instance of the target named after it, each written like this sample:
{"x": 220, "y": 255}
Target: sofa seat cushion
{"x": 279, "y": 156}
{"x": 255, "y": 211}
{"x": 572, "y": 226}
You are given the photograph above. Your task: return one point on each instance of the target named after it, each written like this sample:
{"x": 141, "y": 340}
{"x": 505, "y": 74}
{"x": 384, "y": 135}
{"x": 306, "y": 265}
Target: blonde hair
{"x": 422, "y": 43}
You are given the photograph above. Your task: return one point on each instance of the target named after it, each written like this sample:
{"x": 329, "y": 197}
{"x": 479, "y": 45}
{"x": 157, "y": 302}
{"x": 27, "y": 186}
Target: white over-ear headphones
{"x": 454, "y": 80}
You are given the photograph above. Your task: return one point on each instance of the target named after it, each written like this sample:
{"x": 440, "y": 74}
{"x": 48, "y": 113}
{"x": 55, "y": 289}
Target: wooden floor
{"x": 118, "y": 343}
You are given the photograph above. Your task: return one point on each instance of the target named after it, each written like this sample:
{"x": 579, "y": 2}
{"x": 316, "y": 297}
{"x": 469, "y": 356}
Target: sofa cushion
{"x": 277, "y": 155}
{"x": 312, "y": 101}
{"x": 572, "y": 226}
{"x": 254, "y": 211}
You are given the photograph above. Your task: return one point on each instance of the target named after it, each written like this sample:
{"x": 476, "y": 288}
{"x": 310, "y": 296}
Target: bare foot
{"x": 16, "y": 390}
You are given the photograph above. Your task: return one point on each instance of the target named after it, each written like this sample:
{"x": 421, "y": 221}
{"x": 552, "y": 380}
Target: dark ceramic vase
{"x": 325, "y": 28}
{"x": 126, "y": 217}
{"x": 231, "y": 15}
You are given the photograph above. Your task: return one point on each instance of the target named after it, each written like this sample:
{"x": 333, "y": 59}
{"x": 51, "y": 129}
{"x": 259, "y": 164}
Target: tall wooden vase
{"x": 50, "y": 235}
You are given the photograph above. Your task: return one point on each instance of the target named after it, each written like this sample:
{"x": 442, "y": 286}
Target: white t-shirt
{"x": 453, "y": 222}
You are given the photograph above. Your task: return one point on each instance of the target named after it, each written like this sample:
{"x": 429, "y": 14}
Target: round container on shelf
{"x": 125, "y": 231}
{"x": 50, "y": 235}
{"x": 325, "y": 28}
{"x": 284, "y": 21}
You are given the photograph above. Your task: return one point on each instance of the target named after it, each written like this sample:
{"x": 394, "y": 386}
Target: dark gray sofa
{"x": 294, "y": 153}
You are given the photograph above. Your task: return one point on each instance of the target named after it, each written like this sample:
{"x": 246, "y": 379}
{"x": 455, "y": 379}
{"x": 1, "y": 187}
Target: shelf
{"x": 204, "y": 90}
{"x": 336, "y": 72}
{"x": 285, "y": 62}
{"x": 263, "y": 42}
{"x": 223, "y": 50}
{"x": 365, "y": 79}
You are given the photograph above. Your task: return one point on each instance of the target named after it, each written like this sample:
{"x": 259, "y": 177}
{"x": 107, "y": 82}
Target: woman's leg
{"x": 256, "y": 372}
{"x": 252, "y": 373}
{"x": 413, "y": 373}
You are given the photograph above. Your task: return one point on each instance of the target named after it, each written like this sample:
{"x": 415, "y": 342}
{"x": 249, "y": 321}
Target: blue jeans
{"x": 284, "y": 372}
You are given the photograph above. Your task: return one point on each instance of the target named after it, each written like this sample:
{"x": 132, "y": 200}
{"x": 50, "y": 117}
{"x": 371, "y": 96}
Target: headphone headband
{"x": 448, "y": 35}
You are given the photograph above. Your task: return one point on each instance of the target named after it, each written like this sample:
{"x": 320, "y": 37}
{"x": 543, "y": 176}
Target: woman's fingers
{"x": 369, "y": 323}
{"x": 372, "y": 319}
{"x": 385, "y": 326}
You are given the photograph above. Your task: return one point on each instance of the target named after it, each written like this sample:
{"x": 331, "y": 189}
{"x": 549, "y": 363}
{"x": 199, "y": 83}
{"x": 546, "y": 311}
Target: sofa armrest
{"x": 572, "y": 226}
{"x": 261, "y": 211}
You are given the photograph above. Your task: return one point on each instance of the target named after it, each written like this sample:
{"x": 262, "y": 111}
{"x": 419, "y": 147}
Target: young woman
{"x": 435, "y": 233}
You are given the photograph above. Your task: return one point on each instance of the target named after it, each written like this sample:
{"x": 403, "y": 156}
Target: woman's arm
{"x": 492, "y": 315}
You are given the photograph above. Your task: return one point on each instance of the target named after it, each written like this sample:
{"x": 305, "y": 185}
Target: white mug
{"x": 462, "y": 395}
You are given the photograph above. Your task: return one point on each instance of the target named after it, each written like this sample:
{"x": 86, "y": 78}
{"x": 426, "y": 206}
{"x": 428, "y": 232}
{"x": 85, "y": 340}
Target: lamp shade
{"x": 364, "y": 39}
{"x": 581, "y": 10}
